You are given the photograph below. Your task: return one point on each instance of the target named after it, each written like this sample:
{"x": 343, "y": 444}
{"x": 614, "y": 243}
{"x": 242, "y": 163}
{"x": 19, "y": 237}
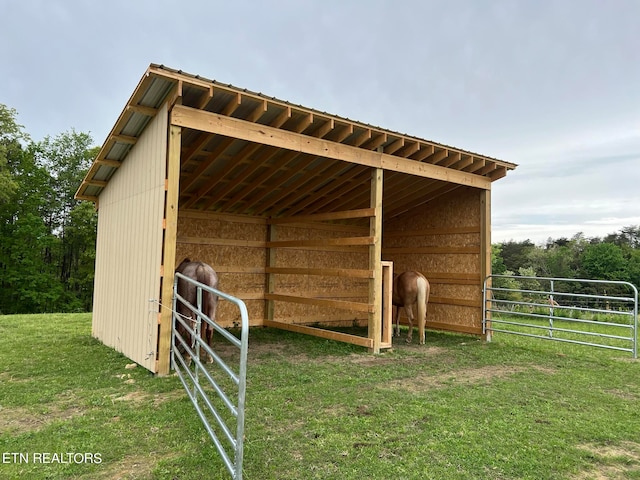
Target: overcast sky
{"x": 553, "y": 86}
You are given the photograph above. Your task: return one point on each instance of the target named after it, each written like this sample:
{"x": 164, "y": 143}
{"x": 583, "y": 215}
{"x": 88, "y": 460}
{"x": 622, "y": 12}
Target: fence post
{"x": 486, "y": 302}
{"x": 551, "y": 310}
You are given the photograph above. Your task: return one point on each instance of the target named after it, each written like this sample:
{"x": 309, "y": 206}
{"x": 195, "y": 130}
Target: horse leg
{"x": 212, "y": 305}
{"x": 208, "y": 334}
{"x": 397, "y": 329}
{"x": 409, "y": 311}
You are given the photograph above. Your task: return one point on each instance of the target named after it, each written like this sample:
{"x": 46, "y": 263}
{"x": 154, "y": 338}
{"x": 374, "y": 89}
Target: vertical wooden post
{"x": 169, "y": 248}
{"x": 387, "y": 307}
{"x": 271, "y": 278}
{"x": 375, "y": 261}
{"x": 485, "y": 242}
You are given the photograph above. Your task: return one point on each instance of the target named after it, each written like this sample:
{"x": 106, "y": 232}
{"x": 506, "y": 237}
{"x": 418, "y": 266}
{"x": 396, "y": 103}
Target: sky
{"x": 553, "y": 86}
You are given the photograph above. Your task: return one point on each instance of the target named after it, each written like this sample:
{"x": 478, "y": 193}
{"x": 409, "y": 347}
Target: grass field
{"x": 458, "y": 408}
{"x": 605, "y": 331}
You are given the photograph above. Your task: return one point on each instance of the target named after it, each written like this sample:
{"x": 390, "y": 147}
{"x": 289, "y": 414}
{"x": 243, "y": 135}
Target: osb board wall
{"x": 235, "y": 247}
{"x": 320, "y": 286}
{"x": 442, "y": 240}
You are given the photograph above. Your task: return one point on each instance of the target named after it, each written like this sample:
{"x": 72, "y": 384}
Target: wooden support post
{"x": 169, "y": 255}
{"x": 271, "y": 278}
{"x": 375, "y": 261}
{"x": 387, "y": 306}
{"x": 485, "y": 243}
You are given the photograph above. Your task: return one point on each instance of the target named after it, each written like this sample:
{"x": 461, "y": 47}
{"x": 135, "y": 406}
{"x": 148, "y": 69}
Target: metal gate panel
{"x": 595, "y": 313}
{"x": 217, "y": 391}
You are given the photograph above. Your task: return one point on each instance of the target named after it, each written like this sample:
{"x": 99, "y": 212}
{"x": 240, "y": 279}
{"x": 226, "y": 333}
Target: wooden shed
{"x": 295, "y": 208}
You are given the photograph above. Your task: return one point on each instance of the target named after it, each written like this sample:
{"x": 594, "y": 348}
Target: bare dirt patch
{"x": 19, "y": 419}
{"x": 138, "y": 397}
{"x": 138, "y": 467}
{"x": 612, "y": 462}
{"x": 469, "y": 376}
{"x": 7, "y": 377}
{"x": 624, "y": 395}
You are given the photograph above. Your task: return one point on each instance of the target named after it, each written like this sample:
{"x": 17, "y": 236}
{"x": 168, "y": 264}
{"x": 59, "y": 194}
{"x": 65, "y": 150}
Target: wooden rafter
{"x": 204, "y": 164}
{"x": 238, "y": 166}
{"x": 394, "y": 146}
{"x": 353, "y": 192}
{"x": 228, "y": 126}
{"x": 451, "y": 159}
{"x": 324, "y": 129}
{"x": 233, "y": 105}
{"x": 424, "y": 152}
{"x": 243, "y": 187}
{"x": 294, "y": 192}
{"x": 248, "y": 150}
{"x": 336, "y": 189}
{"x": 437, "y": 157}
{"x": 262, "y": 180}
{"x": 195, "y": 147}
{"x": 409, "y": 150}
{"x": 276, "y": 126}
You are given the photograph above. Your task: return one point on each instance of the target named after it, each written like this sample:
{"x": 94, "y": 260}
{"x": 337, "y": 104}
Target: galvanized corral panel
{"x": 129, "y": 249}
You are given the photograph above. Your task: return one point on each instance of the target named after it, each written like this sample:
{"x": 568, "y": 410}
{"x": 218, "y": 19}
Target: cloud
{"x": 551, "y": 86}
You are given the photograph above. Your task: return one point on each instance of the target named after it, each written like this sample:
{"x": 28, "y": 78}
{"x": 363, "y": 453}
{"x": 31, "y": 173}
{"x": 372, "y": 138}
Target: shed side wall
{"x": 129, "y": 249}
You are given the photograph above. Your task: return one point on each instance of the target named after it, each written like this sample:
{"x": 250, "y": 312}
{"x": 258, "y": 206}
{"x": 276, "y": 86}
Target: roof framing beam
{"x": 188, "y": 117}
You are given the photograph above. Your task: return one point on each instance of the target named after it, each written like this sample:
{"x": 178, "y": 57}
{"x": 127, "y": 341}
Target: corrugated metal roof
{"x": 236, "y": 176}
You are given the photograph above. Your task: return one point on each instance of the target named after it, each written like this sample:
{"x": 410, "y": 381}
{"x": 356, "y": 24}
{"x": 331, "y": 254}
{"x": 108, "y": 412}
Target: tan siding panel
{"x": 129, "y": 249}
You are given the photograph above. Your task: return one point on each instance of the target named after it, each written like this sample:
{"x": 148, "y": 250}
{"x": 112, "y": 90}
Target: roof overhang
{"x": 246, "y": 153}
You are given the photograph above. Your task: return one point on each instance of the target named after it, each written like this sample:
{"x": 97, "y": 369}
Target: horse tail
{"x": 422, "y": 300}
{"x": 203, "y": 277}
{"x": 208, "y": 277}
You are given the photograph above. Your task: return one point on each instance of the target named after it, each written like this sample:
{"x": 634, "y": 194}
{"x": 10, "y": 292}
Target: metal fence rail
{"x": 217, "y": 392}
{"x": 595, "y": 313}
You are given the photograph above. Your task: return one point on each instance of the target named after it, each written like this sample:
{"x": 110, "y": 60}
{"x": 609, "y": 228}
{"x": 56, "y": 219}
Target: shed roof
{"x": 243, "y": 174}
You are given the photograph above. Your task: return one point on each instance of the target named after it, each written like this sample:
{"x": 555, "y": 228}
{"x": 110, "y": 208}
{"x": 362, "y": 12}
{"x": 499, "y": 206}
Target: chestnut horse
{"x": 206, "y": 275}
{"x": 409, "y": 288}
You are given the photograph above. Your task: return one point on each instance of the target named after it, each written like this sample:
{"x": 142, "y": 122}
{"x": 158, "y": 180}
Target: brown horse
{"x": 409, "y": 288}
{"x": 206, "y": 275}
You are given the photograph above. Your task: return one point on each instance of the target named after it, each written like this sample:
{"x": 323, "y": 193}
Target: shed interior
{"x": 296, "y": 208}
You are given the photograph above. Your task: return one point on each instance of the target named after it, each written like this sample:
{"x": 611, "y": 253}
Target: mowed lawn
{"x": 457, "y": 408}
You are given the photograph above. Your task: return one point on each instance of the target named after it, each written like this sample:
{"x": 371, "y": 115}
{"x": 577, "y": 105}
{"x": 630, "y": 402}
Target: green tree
{"x": 633, "y": 267}
{"x": 80, "y": 239}
{"x": 68, "y": 157}
{"x": 603, "y": 261}
{"x": 516, "y": 254}
{"x": 29, "y": 282}
{"x": 47, "y": 238}
{"x": 627, "y": 236}
{"x": 10, "y": 136}
{"x": 497, "y": 263}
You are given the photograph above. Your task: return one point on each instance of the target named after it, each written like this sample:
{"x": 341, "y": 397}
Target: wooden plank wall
{"x": 129, "y": 249}
{"x": 319, "y": 271}
{"x": 315, "y": 270}
{"x": 300, "y": 270}
{"x": 236, "y": 247}
{"x": 443, "y": 241}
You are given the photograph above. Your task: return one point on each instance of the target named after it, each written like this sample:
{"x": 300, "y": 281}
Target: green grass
{"x": 459, "y": 408}
{"x": 613, "y": 331}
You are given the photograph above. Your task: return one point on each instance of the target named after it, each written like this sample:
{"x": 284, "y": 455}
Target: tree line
{"x": 47, "y": 238}
{"x": 614, "y": 257}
